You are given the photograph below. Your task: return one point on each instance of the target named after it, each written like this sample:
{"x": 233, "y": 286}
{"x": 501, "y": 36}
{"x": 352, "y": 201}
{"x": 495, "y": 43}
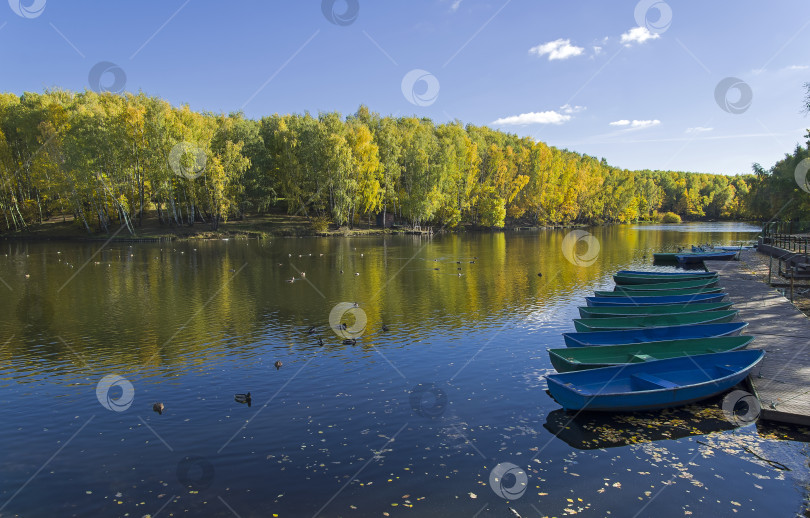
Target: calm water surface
{"x": 411, "y": 421}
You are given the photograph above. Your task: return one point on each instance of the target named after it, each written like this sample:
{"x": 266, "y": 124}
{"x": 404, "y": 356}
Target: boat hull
{"x": 594, "y": 357}
{"x": 665, "y": 274}
{"x": 658, "y": 286}
{"x": 697, "y": 258}
{"x": 643, "y": 310}
{"x": 670, "y": 299}
{"x": 652, "y": 385}
{"x": 656, "y": 293}
{"x": 632, "y": 279}
{"x": 585, "y": 325}
{"x": 652, "y": 334}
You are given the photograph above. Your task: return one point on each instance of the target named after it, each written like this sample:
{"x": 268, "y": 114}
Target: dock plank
{"x": 782, "y": 380}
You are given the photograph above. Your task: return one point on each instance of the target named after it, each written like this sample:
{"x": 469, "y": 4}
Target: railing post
{"x": 770, "y": 269}
{"x": 792, "y": 275}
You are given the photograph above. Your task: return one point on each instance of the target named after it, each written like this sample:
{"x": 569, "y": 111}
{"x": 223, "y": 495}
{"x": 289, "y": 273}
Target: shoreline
{"x": 262, "y": 227}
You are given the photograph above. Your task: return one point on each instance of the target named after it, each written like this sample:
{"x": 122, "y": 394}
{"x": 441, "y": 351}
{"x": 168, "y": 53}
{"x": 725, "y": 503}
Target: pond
{"x": 438, "y": 407}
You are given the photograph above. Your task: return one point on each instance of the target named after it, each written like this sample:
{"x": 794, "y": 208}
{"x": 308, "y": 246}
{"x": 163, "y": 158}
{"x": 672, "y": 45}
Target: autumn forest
{"x": 108, "y": 160}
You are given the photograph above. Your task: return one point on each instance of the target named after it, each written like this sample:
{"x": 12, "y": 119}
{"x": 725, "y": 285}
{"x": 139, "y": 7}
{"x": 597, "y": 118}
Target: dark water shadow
{"x": 595, "y": 430}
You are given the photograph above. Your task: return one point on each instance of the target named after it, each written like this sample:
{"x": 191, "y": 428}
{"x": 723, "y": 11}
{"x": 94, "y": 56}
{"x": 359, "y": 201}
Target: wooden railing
{"x": 789, "y": 235}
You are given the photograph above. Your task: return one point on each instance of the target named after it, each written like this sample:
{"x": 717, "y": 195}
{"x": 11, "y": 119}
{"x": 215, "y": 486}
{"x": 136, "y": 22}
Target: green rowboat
{"x": 582, "y": 358}
{"x": 584, "y": 325}
{"x": 656, "y": 293}
{"x": 680, "y": 285}
{"x": 635, "y": 278}
{"x": 661, "y": 309}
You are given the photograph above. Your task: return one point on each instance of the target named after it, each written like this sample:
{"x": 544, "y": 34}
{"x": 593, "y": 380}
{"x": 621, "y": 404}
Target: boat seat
{"x": 640, "y": 358}
{"x": 649, "y": 382}
{"x": 725, "y": 369}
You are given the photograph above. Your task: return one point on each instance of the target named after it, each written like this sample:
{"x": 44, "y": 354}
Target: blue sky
{"x": 634, "y": 82}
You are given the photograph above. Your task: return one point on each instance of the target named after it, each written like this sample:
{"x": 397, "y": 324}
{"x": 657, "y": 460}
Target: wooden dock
{"x": 782, "y": 380}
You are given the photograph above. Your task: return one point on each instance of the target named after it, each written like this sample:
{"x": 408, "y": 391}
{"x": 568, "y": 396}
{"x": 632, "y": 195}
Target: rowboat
{"x": 653, "y": 286}
{"x": 662, "y": 309}
{"x": 652, "y": 385}
{"x": 658, "y": 273}
{"x": 732, "y": 248}
{"x": 656, "y": 293}
{"x": 594, "y": 357}
{"x": 638, "y": 278}
{"x": 704, "y": 256}
{"x": 652, "y": 334}
{"x": 586, "y": 325}
{"x": 668, "y": 299}
{"x": 710, "y": 248}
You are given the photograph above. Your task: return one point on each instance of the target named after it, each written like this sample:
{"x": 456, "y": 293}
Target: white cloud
{"x": 597, "y": 50}
{"x": 456, "y": 4}
{"x": 547, "y": 117}
{"x": 638, "y": 35}
{"x": 567, "y": 108}
{"x": 797, "y": 67}
{"x": 557, "y": 49}
{"x": 698, "y": 129}
{"x": 636, "y": 124}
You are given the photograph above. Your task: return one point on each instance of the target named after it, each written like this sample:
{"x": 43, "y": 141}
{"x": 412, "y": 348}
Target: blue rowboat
{"x": 707, "y": 256}
{"x": 668, "y": 299}
{"x": 653, "y": 334}
{"x": 732, "y": 248}
{"x": 709, "y": 248}
{"x": 652, "y": 385}
{"x": 650, "y": 309}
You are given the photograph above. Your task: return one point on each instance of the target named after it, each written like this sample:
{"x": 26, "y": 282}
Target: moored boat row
{"x": 698, "y": 254}
{"x": 651, "y": 346}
